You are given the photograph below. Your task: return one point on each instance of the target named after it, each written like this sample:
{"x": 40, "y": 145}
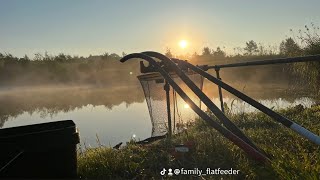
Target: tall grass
{"x": 293, "y": 157}
{"x": 309, "y": 44}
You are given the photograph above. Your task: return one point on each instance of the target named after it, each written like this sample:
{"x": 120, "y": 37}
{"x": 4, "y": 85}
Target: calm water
{"x": 113, "y": 115}
{"x": 111, "y": 126}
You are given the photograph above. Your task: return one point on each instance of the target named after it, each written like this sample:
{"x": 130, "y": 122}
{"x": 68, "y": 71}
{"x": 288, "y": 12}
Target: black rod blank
{"x": 213, "y": 108}
{"x": 225, "y": 132}
{"x": 283, "y": 120}
{"x": 268, "y": 62}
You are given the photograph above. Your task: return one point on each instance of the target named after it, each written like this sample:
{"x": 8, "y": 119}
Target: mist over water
{"x": 109, "y": 115}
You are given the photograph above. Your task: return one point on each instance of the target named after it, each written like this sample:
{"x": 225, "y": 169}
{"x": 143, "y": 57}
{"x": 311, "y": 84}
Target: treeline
{"x": 302, "y": 43}
{"x": 106, "y": 70}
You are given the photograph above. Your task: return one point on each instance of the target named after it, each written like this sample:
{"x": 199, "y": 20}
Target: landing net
{"x": 181, "y": 113}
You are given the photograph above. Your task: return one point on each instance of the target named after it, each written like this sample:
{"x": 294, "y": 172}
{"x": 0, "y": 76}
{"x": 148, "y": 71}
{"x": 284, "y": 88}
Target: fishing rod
{"x": 279, "y": 118}
{"x": 217, "y": 68}
{"x": 225, "y": 132}
{"x": 204, "y": 98}
{"x": 268, "y": 62}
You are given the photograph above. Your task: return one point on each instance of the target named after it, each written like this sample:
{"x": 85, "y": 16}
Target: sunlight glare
{"x": 183, "y": 44}
{"x": 186, "y": 106}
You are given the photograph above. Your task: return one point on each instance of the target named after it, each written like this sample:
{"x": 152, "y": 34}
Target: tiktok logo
{"x": 163, "y": 172}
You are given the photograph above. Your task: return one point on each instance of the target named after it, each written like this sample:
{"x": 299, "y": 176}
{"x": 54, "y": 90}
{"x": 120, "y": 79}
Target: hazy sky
{"x": 79, "y": 27}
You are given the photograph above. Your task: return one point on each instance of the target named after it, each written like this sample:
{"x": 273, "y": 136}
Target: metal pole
{"x": 283, "y": 120}
{"x": 269, "y": 61}
{"x": 225, "y": 132}
{"x": 167, "y": 89}
{"x": 201, "y": 88}
{"x": 203, "y": 97}
{"x": 220, "y": 91}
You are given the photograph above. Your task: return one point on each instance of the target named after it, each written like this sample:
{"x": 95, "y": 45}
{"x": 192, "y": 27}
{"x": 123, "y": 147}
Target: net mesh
{"x": 181, "y": 113}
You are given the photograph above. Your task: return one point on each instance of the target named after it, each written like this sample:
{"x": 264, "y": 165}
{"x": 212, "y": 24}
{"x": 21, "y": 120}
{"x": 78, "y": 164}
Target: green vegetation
{"x": 106, "y": 70}
{"x": 308, "y": 43}
{"x": 293, "y": 157}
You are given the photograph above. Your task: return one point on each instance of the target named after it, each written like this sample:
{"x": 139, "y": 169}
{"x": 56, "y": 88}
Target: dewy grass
{"x": 293, "y": 157}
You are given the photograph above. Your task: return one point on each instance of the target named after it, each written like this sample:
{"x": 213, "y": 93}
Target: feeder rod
{"x": 225, "y": 132}
{"x": 213, "y": 108}
{"x": 268, "y": 62}
{"x": 283, "y": 120}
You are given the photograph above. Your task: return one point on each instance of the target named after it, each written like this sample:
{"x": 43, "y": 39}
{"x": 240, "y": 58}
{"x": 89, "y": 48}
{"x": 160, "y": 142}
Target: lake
{"x": 109, "y": 115}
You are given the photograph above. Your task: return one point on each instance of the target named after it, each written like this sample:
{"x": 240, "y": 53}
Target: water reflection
{"x": 49, "y": 101}
{"x": 115, "y": 114}
{"x": 111, "y": 126}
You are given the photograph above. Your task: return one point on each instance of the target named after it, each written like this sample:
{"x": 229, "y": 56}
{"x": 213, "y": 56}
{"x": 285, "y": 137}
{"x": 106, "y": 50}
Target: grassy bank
{"x": 293, "y": 157}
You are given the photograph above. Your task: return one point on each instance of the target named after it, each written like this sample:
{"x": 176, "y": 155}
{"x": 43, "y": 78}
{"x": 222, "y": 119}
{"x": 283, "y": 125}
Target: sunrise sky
{"x": 79, "y": 27}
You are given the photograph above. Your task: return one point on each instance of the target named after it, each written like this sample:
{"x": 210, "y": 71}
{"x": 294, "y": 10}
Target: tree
{"x": 9, "y": 59}
{"x": 105, "y": 56}
{"x": 251, "y": 48}
{"x": 62, "y": 57}
{"x": 219, "y": 53}
{"x": 206, "y": 51}
{"x": 38, "y": 57}
{"x": 195, "y": 55}
{"x": 290, "y": 48}
{"x": 114, "y": 56}
{"x": 25, "y": 60}
{"x": 168, "y": 53}
{"x": 47, "y": 57}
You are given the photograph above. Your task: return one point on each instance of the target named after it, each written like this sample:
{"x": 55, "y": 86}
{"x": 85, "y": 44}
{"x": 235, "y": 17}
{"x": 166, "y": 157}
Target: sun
{"x": 183, "y": 44}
